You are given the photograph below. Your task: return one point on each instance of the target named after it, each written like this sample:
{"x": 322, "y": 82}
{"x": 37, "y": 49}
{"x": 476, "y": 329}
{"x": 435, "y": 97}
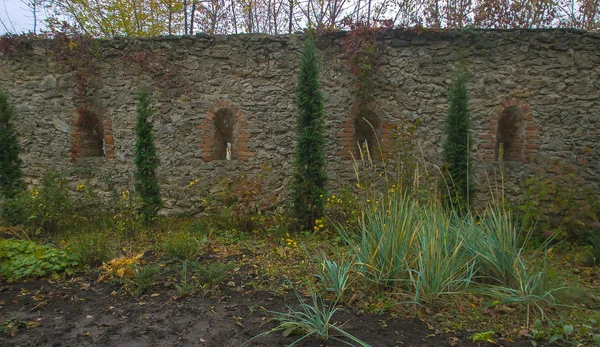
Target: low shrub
{"x": 45, "y": 208}
{"x": 241, "y": 202}
{"x": 93, "y": 247}
{"x": 20, "y": 260}
{"x": 196, "y": 278}
{"x": 558, "y": 202}
{"x": 52, "y": 206}
{"x": 183, "y": 245}
{"x": 143, "y": 279}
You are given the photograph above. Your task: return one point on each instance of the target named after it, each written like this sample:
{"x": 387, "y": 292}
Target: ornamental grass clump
{"x": 314, "y": 318}
{"x": 417, "y": 248}
{"x": 441, "y": 264}
{"x": 510, "y": 272}
{"x": 427, "y": 251}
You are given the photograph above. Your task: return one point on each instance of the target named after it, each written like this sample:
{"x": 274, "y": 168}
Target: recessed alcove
{"x": 510, "y": 134}
{"x": 223, "y": 141}
{"x": 91, "y": 135}
{"x": 367, "y": 131}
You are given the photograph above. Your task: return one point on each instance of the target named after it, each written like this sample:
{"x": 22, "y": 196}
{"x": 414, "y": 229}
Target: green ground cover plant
{"x": 22, "y": 260}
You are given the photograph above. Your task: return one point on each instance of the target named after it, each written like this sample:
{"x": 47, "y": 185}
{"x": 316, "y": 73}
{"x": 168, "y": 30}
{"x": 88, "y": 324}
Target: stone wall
{"x": 537, "y": 92}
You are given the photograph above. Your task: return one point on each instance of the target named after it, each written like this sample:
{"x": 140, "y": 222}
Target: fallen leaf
{"x": 155, "y": 295}
{"x": 89, "y": 316}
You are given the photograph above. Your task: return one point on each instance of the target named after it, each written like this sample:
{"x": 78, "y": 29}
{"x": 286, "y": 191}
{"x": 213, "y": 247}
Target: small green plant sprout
{"x": 143, "y": 279}
{"x": 314, "y": 318}
{"x": 335, "y": 276}
{"x": 536, "y": 333}
{"x": 486, "y": 336}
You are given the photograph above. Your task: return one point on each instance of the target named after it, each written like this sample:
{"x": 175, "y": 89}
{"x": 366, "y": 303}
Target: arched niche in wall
{"x": 364, "y": 128}
{"x": 367, "y": 131}
{"x": 91, "y": 135}
{"x": 223, "y": 139}
{"x": 512, "y": 132}
{"x": 224, "y": 133}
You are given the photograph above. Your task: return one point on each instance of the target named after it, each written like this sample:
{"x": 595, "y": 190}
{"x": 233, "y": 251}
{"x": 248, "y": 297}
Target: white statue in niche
{"x": 228, "y": 153}
{"x": 104, "y": 147}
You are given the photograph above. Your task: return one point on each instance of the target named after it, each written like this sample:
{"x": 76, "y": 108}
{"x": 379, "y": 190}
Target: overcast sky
{"x": 16, "y": 17}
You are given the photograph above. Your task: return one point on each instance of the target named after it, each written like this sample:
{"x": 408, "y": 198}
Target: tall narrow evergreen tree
{"x": 146, "y": 160}
{"x": 308, "y": 187}
{"x": 11, "y": 182}
{"x": 458, "y": 147}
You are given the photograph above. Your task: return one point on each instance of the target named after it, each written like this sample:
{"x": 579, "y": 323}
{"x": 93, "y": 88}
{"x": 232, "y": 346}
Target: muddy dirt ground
{"x": 82, "y": 313}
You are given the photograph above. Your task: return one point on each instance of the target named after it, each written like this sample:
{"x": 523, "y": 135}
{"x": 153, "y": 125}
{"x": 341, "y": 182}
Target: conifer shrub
{"x": 11, "y": 183}
{"x": 146, "y": 160}
{"x": 458, "y": 146}
{"x": 308, "y": 187}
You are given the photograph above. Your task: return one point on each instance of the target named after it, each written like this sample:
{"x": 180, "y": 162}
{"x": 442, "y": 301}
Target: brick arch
{"x": 511, "y": 124}
{"x": 211, "y": 134}
{"x": 354, "y": 130}
{"x": 83, "y": 142}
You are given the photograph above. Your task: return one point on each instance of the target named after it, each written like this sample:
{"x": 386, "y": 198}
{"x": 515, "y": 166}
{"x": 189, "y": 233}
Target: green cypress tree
{"x": 308, "y": 187}
{"x": 11, "y": 182}
{"x": 146, "y": 160}
{"x": 458, "y": 147}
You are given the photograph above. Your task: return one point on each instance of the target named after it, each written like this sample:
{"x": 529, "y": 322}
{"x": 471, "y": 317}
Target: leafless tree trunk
{"x": 185, "y": 17}
{"x": 192, "y": 17}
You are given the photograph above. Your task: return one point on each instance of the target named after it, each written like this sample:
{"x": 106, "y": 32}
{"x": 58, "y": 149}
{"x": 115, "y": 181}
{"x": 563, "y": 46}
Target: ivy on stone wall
{"x": 362, "y": 47}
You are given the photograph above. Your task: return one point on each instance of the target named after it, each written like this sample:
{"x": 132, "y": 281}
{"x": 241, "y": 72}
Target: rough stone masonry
{"x": 535, "y": 92}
